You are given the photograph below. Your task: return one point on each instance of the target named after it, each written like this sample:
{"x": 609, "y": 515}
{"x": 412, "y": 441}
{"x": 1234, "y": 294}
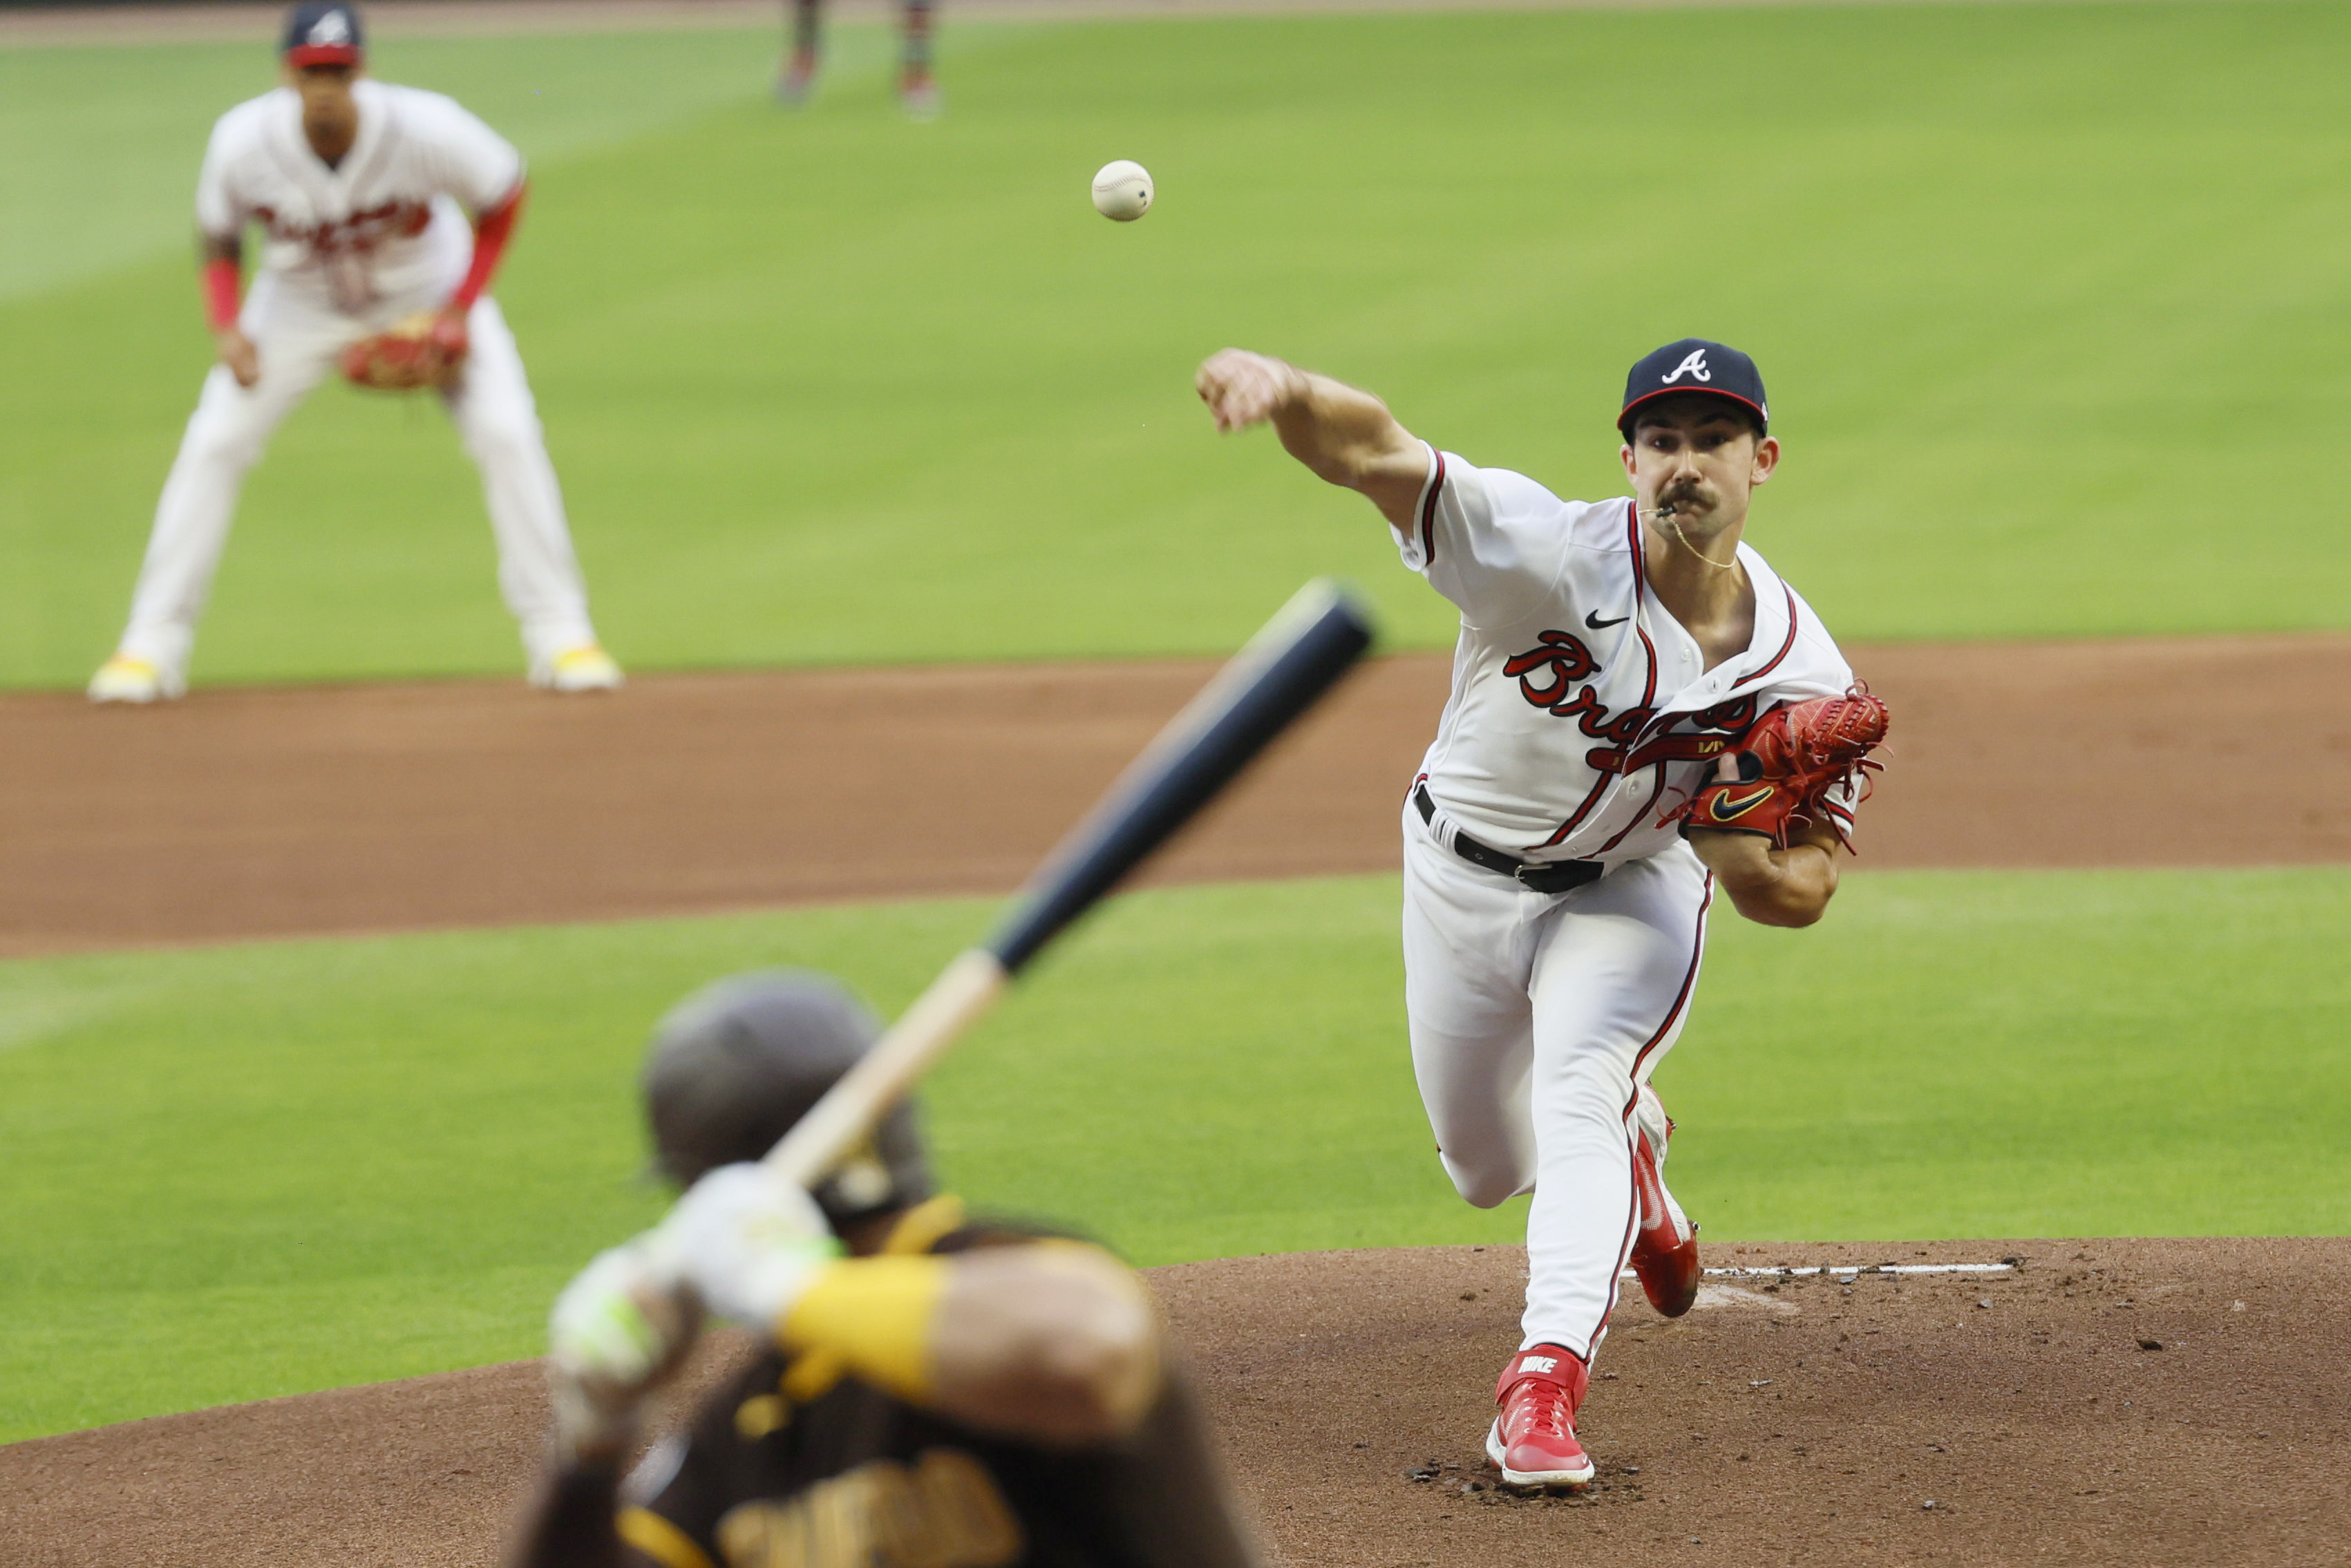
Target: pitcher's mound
{"x": 2108, "y": 1402}
{"x": 2102, "y": 1402}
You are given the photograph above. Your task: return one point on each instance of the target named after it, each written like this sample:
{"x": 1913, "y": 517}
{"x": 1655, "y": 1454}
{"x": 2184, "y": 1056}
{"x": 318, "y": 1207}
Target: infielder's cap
{"x": 323, "y": 33}
{"x": 1695, "y": 365}
{"x": 735, "y": 1065}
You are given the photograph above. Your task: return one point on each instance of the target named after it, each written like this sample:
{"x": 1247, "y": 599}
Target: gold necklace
{"x": 1674, "y": 526}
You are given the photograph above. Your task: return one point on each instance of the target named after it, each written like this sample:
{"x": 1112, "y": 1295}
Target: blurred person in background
{"x": 917, "y": 91}
{"x": 362, "y": 192}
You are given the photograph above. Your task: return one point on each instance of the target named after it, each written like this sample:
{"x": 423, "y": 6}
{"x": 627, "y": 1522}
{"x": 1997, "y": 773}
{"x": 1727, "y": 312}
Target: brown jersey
{"x": 795, "y": 1464}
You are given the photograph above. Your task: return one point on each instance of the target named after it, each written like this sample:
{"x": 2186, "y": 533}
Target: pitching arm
{"x": 1346, "y": 436}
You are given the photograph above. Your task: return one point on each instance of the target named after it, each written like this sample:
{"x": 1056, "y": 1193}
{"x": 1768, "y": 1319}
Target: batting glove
{"x": 617, "y": 1331}
{"x": 748, "y": 1244}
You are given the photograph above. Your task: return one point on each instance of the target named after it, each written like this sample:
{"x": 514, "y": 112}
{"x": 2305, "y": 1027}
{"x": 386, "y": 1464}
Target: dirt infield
{"x": 241, "y": 814}
{"x": 1782, "y": 1420}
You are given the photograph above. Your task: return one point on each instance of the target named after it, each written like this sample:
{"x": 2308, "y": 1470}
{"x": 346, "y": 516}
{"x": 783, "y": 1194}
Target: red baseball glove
{"x": 426, "y": 350}
{"x": 1788, "y": 764}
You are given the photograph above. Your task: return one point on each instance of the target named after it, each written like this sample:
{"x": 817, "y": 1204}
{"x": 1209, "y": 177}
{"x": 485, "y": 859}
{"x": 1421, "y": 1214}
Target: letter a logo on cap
{"x": 1693, "y": 364}
{"x": 334, "y": 27}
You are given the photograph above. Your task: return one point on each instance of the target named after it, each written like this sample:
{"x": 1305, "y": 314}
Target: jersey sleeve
{"x": 1486, "y": 539}
{"x": 221, "y": 211}
{"x": 469, "y": 160}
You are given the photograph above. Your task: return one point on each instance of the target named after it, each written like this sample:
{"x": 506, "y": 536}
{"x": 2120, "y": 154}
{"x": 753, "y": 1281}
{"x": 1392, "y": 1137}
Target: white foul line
{"x": 1852, "y": 1268}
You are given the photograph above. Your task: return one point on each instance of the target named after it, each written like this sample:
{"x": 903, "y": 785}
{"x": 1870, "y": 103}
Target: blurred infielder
{"x": 1640, "y": 708}
{"x": 370, "y": 262}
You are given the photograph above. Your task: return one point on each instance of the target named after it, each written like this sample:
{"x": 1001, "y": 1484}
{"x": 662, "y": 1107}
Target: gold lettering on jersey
{"x": 943, "y": 1512}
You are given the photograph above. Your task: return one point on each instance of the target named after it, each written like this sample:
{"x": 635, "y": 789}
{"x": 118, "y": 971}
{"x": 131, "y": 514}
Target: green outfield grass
{"x": 2049, "y": 297}
{"x": 262, "y": 1169}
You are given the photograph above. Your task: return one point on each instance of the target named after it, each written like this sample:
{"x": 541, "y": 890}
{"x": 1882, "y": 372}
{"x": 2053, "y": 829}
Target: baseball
{"x": 1123, "y": 191}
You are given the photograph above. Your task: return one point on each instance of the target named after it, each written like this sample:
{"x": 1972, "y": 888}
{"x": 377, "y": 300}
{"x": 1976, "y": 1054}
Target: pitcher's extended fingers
{"x": 1238, "y": 387}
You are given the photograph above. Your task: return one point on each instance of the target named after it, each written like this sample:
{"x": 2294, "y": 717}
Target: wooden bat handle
{"x": 964, "y": 992}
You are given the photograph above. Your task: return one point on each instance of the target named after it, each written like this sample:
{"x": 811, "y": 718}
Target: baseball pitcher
{"x": 371, "y": 265}
{"x": 1641, "y": 711}
{"x": 936, "y": 1389}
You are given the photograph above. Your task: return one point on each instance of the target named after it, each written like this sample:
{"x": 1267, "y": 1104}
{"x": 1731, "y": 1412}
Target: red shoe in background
{"x": 1532, "y": 1440}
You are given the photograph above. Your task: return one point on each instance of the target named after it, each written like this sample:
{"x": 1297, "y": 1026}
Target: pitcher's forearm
{"x": 1771, "y": 887}
{"x": 1344, "y": 434}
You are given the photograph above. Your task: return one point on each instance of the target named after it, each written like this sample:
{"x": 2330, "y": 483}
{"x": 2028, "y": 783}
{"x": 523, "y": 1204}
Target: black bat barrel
{"x": 1286, "y": 669}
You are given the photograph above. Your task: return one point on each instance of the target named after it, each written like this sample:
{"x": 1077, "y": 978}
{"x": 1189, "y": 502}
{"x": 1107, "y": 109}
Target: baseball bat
{"x": 1283, "y": 671}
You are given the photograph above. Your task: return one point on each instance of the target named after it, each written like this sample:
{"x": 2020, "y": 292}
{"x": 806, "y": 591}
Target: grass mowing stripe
{"x": 2036, "y": 289}
{"x": 255, "y": 1170}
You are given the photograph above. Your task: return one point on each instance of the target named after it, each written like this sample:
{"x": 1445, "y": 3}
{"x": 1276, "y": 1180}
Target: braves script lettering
{"x": 361, "y": 232}
{"x": 1547, "y": 674}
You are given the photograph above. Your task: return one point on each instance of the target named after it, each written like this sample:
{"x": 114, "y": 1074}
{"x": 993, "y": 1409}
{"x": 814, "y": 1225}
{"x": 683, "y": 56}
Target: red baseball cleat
{"x": 1532, "y": 1440}
{"x": 1665, "y": 1249}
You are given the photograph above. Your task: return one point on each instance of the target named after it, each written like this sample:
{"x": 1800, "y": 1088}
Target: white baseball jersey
{"x": 385, "y": 222}
{"x": 1582, "y": 712}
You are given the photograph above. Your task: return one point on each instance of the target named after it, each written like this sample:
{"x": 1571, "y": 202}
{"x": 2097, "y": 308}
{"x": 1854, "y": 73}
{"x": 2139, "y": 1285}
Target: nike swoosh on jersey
{"x": 1592, "y": 619}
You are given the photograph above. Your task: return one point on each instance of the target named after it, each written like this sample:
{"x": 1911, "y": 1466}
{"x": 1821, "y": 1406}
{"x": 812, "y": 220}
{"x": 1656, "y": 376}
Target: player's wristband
{"x": 875, "y": 1314}
{"x": 220, "y": 293}
{"x": 491, "y": 232}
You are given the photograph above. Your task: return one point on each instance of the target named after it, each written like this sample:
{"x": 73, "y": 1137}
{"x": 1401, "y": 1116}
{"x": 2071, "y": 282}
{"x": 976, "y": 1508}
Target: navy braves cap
{"x": 1695, "y": 365}
{"x": 323, "y": 33}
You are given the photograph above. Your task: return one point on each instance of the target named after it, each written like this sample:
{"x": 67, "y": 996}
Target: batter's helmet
{"x": 735, "y": 1064}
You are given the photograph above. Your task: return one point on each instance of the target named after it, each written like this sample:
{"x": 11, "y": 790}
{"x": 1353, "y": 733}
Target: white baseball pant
{"x": 1535, "y": 1018}
{"x": 300, "y": 340}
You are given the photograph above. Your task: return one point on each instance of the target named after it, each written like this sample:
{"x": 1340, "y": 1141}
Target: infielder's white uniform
{"x": 352, "y": 250}
{"x": 1580, "y": 713}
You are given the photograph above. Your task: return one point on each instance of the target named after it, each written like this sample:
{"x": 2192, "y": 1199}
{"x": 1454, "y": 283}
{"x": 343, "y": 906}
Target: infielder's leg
{"x": 799, "y": 75}
{"x": 916, "y": 89}
{"x": 537, "y": 572}
{"x": 226, "y": 436}
{"x": 1614, "y": 974}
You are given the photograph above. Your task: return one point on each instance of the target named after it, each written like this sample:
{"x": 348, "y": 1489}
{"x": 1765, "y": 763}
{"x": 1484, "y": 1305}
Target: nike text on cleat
{"x": 1532, "y": 1440}
{"x": 586, "y": 668}
{"x": 126, "y": 678}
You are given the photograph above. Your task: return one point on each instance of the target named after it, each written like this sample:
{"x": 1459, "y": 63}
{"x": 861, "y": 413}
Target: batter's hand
{"x": 237, "y": 352}
{"x": 748, "y": 1243}
{"x": 617, "y": 1331}
{"x": 1243, "y": 389}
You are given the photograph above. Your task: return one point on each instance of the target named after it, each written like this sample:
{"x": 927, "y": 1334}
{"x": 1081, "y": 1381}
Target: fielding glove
{"x": 1788, "y": 763}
